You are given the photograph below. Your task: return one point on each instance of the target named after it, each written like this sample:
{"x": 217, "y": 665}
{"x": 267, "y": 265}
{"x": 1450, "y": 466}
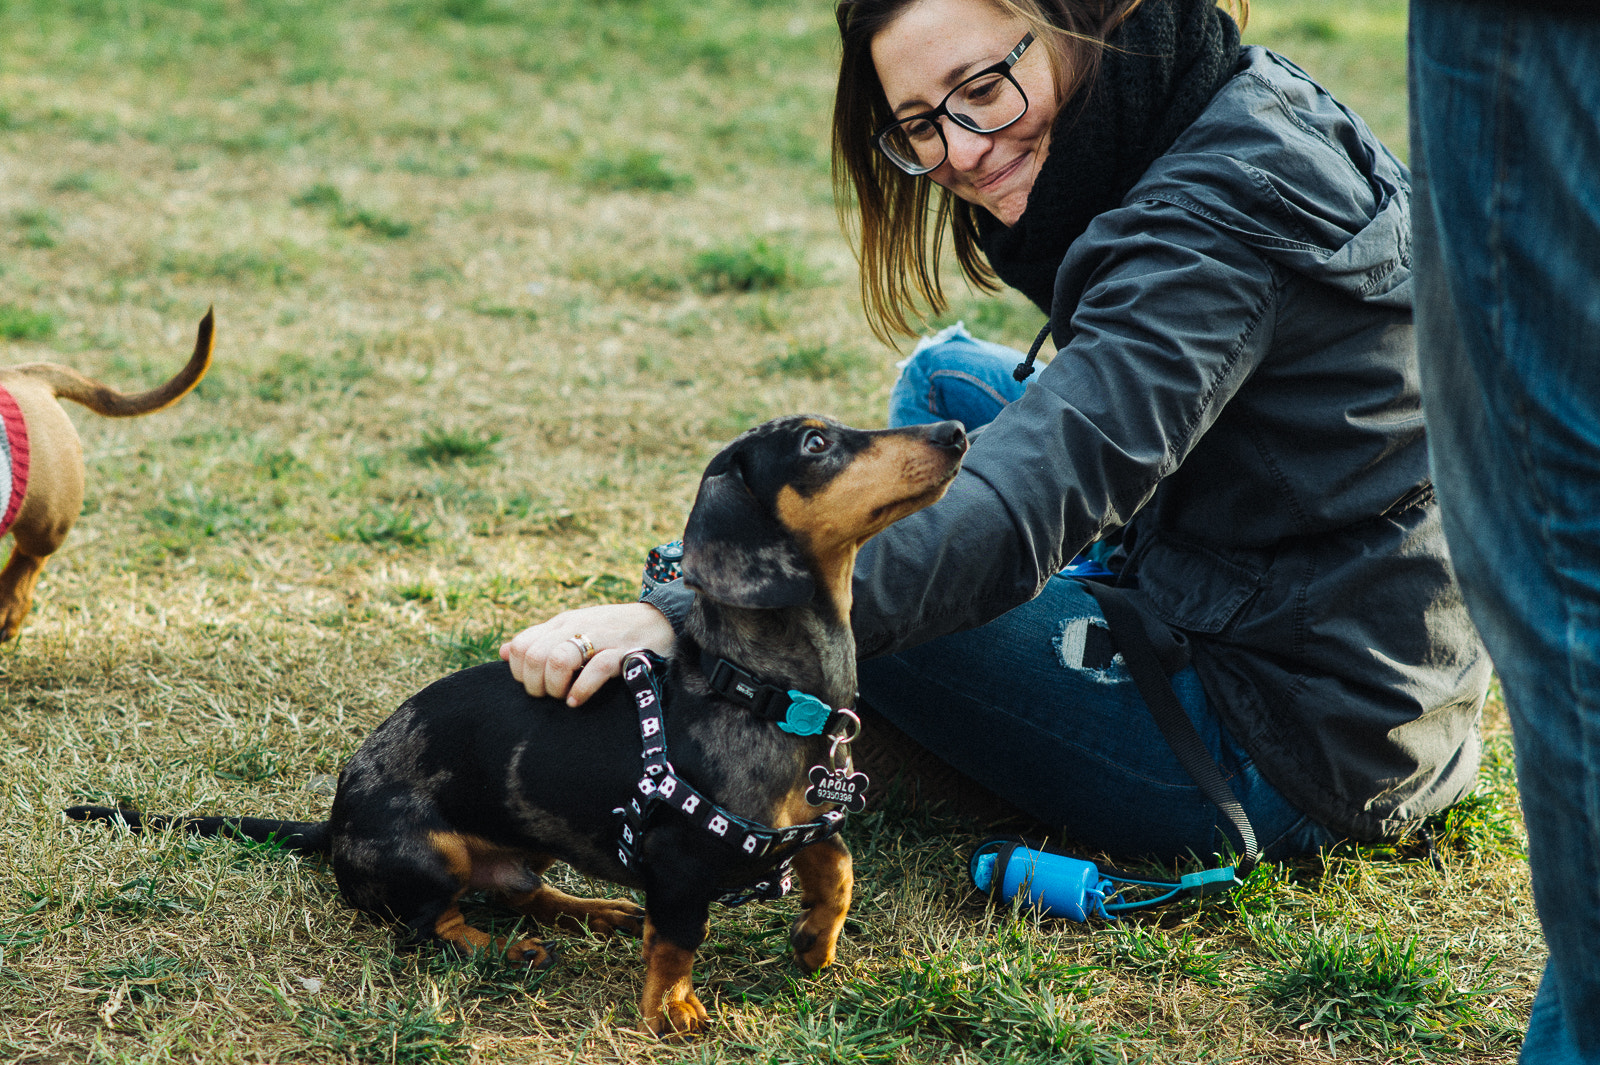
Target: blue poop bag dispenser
{"x": 1055, "y": 884}
{"x": 1059, "y": 885}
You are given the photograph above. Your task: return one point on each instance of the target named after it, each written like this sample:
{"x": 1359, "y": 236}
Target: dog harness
{"x": 661, "y": 789}
{"x": 13, "y": 460}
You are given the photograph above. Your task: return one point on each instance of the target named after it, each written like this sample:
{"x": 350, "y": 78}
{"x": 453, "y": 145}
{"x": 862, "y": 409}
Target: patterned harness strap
{"x": 661, "y": 788}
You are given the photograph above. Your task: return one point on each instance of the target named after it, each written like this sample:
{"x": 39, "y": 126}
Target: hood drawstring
{"x": 1024, "y": 368}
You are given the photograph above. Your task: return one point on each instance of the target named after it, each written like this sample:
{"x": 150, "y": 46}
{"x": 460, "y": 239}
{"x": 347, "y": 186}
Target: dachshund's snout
{"x": 949, "y": 434}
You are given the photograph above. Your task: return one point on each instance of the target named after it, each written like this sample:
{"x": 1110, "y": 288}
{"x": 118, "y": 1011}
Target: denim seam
{"x": 961, "y": 375}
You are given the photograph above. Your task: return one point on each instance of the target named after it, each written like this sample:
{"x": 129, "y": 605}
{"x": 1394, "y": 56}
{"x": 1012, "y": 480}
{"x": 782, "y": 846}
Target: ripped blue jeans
{"x": 1035, "y": 707}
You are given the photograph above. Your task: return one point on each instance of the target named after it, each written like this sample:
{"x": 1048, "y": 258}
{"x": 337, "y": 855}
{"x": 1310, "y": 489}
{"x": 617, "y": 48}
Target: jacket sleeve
{"x": 1166, "y": 316}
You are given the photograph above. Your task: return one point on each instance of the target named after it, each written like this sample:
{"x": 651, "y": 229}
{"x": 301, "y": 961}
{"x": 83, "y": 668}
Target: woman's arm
{"x": 1170, "y": 314}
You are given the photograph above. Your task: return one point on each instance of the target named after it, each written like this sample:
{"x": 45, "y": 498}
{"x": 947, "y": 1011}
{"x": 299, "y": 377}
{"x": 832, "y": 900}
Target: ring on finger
{"x": 581, "y": 642}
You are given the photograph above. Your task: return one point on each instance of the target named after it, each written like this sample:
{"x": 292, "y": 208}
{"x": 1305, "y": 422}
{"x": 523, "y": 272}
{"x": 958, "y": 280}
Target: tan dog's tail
{"x": 70, "y": 384}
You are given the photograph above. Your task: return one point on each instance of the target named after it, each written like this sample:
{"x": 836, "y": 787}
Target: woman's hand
{"x": 549, "y": 661}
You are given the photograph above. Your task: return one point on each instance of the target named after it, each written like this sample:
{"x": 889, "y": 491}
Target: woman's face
{"x": 931, "y": 48}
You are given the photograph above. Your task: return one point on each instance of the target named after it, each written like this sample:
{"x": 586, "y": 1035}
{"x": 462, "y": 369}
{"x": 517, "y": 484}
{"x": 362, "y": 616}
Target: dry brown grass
{"x": 263, "y": 573}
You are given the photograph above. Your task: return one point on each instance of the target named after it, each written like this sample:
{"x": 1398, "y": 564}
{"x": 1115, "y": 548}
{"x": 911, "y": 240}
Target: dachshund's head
{"x": 783, "y": 509}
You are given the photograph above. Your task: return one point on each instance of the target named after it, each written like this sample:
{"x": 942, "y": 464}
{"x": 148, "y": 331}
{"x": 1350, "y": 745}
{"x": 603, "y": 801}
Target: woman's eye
{"x": 814, "y": 443}
{"x": 981, "y": 91}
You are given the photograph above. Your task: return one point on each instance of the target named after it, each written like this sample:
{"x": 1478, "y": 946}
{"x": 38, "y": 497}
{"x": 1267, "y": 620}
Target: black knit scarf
{"x": 1160, "y": 70}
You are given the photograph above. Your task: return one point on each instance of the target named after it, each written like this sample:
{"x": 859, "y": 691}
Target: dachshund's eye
{"x": 814, "y": 443}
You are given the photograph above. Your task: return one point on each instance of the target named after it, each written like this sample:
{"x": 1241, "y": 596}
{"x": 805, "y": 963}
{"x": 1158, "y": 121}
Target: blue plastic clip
{"x": 1210, "y": 881}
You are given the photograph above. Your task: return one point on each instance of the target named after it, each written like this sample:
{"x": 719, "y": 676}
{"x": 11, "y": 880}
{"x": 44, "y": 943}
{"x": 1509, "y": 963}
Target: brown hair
{"x": 899, "y": 248}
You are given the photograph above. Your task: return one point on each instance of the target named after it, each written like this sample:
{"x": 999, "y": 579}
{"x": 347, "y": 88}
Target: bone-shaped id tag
{"x": 840, "y": 785}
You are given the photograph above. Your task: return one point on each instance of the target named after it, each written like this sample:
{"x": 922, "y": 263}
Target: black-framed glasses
{"x": 987, "y": 102}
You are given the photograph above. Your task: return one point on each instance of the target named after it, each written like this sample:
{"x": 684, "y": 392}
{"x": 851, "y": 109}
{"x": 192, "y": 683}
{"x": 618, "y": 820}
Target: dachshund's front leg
{"x": 826, "y": 882}
{"x": 674, "y": 927}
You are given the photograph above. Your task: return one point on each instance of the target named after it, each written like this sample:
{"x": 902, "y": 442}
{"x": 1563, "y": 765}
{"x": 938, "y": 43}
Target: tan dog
{"x": 48, "y": 459}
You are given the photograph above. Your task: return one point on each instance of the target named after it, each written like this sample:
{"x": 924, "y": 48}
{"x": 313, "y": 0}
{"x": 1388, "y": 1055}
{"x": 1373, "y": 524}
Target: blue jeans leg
{"x": 954, "y": 375}
{"x": 1506, "y": 153}
{"x": 1033, "y": 707}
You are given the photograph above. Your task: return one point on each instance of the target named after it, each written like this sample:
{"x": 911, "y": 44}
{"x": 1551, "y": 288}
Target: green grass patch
{"x": 386, "y": 525}
{"x": 817, "y": 362}
{"x": 465, "y": 648}
{"x": 191, "y": 515}
{"x": 295, "y": 375}
{"x": 756, "y": 266}
{"x": 1379, "y": 990}
{"x": 454, "y": 445}
{"x": 280, "y": 266}
{"x": 1016, "y": 999}
{"x": 349, "y": 215}
{"x": 490, "y": 309}
{"x": 251, "y": 765}
{"x": 318, "y": 195}
{"x": 635, "y": 170}
{"x": 77, "y": 181}
{"x": 393, "y": 1032}
{"x": 1004, "y": 319}
{"x": 24, "y": 323}
{"x": 1163, "y": 958}
{"x": 1315, "y": 29}
{"x": 144, "y": 897}
{"x": 39, "y": 227}
{"x": 374, "y": 222}
{"x": 143, "y": 979}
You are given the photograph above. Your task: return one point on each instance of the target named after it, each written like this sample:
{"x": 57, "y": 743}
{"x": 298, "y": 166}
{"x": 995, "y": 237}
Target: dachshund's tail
{"x": 305, "y": 837}
{"x": 102, "y": 399}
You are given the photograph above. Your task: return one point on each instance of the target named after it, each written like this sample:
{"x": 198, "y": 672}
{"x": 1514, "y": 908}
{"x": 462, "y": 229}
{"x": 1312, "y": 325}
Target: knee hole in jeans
{"x": 1085, "y": 644}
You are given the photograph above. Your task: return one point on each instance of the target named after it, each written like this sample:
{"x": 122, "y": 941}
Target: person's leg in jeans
{"x": 1506, "y": 155}
{"x": 1034, "y": 707}
{"x": 954, "y": 375}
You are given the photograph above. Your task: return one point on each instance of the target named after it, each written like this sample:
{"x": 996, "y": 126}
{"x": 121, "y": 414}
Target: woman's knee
{"x": 954, "y": 375}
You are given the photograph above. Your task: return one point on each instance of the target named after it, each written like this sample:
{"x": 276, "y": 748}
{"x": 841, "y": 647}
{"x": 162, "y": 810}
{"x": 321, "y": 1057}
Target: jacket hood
{"x": 1332, "y": 205}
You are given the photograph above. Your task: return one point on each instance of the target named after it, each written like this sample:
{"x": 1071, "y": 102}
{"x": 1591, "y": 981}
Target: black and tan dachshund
{"x": 474, "y": 784}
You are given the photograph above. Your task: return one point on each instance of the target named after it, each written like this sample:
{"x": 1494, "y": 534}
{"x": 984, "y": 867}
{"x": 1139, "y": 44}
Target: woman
{"x": 1231, "y": 419}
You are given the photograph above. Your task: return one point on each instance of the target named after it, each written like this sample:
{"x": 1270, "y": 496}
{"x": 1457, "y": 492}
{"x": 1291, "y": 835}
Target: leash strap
{"x": 1129, "y": 637}
{"x": 661, "y": 788}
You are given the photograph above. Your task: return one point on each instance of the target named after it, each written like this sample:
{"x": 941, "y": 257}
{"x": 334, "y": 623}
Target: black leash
{"x": 1129, "y": 637}
{"x": 1058, "y": 884}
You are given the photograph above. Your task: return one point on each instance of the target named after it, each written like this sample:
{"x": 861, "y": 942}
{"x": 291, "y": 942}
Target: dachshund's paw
{"x": 11, "y": 618}
{"x": 530, "y": 952}
{"x": 813, "y": 950}
{"x": 616, "y": 916}
{"x": 682, "y": 1018}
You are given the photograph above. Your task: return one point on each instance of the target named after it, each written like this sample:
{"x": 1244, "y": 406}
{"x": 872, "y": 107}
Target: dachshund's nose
{"x": 949, "y": 434}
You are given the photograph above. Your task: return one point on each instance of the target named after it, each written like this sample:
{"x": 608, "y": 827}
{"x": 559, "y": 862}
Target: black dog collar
{"x": 794, "y": 711}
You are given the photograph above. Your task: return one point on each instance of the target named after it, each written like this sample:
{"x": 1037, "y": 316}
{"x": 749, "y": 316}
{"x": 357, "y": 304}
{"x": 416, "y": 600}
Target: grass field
{"x": 492, "y": 280}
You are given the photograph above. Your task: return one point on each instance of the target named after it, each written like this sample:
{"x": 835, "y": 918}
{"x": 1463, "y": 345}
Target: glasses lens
{"x": 915, "y": 146}
{"x": 987, "y": 103}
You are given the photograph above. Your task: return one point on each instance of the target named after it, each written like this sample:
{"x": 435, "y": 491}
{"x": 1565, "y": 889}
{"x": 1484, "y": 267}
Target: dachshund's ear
{"x": 735, "y": 552}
